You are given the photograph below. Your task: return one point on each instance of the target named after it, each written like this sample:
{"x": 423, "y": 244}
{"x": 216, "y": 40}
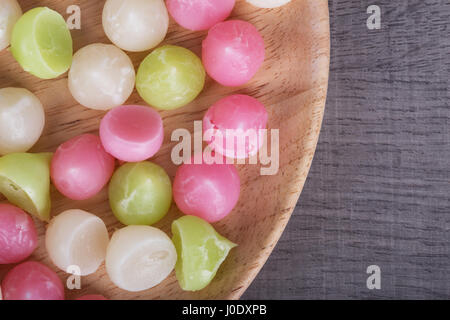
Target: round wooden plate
{"x": 292, "y": 84}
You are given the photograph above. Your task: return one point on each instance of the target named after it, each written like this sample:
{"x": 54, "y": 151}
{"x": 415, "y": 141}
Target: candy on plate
{"x": 201, "y": 251}
{"x": 170, "y": 77}
{"x": 10, "y": 12}
{"x": 209, "y": 191}
{"x": 132, "y": 133}
{"x": 140, "y": 193}
{"x": 139, "y": 257}
{"x": 25, "y": 182}
{"x": 77, "y": 238}
{"x": 233, "y": 52}
{"x": 32, "y": 281}
{"x": 268, "y": 3}
{"x": 199, "y": 15}
{"x": 81, "y": 167}
{"x": 234, "y": 125}
{"x": 18, "y": 236}
{"x": 22, "y": 120}
{"x": 42, "y": 44}
{"x": 135, "y": 25}
{"x": 101, "y": 77}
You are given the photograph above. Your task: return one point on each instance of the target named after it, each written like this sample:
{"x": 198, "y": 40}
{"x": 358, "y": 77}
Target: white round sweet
{"x": 10, "y": 12}
{"x": 101, "y": 77}
{"x": 139, "y": 257}
{"x": 77, "y": 238}
{"x": 135, "y": 25}
{"x": 268, "y": 3}
{"x": 22, "y": 120}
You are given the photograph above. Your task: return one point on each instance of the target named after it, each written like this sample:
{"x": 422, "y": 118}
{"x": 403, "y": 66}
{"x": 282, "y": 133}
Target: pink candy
{"x": 81, "y": 167}
{"x": 233, "y": 52}
{"x": 246, "y": 116}
{"x": 132, "y": 133}
{"x": 199, "y": 14}
{"x": 32, "y": 281}
{"x": 18, "y": 237}
{"x": 208, "y": 191}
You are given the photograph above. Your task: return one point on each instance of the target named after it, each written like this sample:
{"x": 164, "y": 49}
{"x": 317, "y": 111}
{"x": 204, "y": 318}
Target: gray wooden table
{"x": 379, "y": 188}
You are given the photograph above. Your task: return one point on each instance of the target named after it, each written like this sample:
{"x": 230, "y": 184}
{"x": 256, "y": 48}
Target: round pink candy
{"x": 32, "y": 281}
{"x": 18, "y": 236}
{"x": 199, "y": 15}
{"x": 81, "y": 167}
{"x": 92, "y": 297}
{"x": 132, "y": 133}
{"x": 233, "y": 52}
{"x": 208, "y": 191}
{"x": 243, "y": 114}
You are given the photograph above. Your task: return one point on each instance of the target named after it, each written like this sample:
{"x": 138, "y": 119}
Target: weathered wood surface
{"x": 379, "y": 188}
{"x": 292, "y": 84}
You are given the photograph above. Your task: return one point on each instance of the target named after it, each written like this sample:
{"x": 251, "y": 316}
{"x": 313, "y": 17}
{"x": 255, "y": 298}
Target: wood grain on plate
{"x": 292, "y": 84}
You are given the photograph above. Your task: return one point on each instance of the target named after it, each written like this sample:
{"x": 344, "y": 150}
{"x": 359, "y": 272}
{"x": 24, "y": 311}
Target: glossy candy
{"x": 22, "y": 120}
{"x": 132, "y": 133}
{"x": 32, "y": 281}
{"x": 209, "y": 191}
{"x": 139, "y": 257}
{"x": 18, "y": 236}
{"x": 25, "y": 182}
{"x": 199, "y": 14}
{"x": 201, "y": 251}
{"x": 140, "y": 193}
{"x": 170, "y": 77}
{"x": 77, "y": 238}
{"x": 81, "y": 167}
{"x": 268, "y": 3}
{"x": 10, "y": 12}
{"x": 101, "y": 77}
{"x": 135, "y": 25}
{"x": 243, "y": 114}
{"x": 42, "y": 44}
{"x": 233, "y": 52}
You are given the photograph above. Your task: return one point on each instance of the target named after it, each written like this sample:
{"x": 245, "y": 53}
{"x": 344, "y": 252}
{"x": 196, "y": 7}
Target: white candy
{"x": 268, "y": 3}
{"x": 22, "y": 120}
{"x": 135, "y": 25}
{"x": 77, "y": 238}
{"x": 139, "y": 257}
{"x": 10, "y": 12}
{"x": 101, "y": 77}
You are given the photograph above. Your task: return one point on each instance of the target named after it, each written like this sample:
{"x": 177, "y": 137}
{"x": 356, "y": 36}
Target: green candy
{"x": 140, "y": 193}
{"x": 42, "y": 44}
{"x": 170, "y": 77}
{"x": 201, "y": 251}
{"x": 25, "y": 182}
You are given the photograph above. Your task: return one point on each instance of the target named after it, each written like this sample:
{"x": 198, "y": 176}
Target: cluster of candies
{"x": 102, "y": 77}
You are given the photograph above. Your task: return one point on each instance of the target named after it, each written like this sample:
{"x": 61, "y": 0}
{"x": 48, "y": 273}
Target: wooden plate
{"x": 292, "y": 84}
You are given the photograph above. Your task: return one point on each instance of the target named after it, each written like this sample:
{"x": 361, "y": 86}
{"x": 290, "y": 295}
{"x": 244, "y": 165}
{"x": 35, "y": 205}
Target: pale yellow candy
{"x": 22, "y": 120}
{"x": 101, "y": 77}
{"x": 10, "y": 12}
{"x": 139, "y": 257}
{"x": 135, "y": 25}
{"x": 77, "y": 238}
